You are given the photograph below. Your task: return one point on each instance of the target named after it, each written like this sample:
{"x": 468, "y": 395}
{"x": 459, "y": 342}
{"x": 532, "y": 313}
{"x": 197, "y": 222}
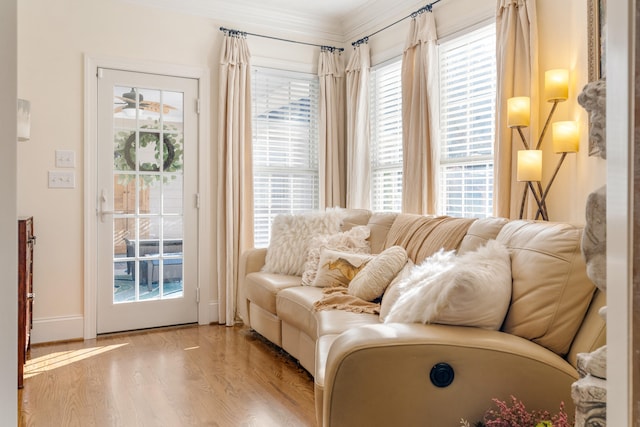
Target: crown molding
{"x": 329, "y": 28}
{"x": 376, "y": 15}
{"x": 251, "y": 17}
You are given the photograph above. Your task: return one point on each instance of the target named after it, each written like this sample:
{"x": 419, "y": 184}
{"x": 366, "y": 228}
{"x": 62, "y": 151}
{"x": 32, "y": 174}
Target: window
{"x": 467, "y": 123}
{"x": 285, "y": 146}
{"x": 386, "y": 136}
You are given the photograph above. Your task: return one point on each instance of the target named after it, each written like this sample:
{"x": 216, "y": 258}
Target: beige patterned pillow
{"x": 338, "y": 268}
{"x": 354, "y": 240}
{"x": 371, "y": 282}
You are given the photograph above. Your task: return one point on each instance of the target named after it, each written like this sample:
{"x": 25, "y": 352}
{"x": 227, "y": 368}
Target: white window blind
{"x": 285, "y": 146}
{"x": 386, "y": 136}
{"x": 467, "y": 122}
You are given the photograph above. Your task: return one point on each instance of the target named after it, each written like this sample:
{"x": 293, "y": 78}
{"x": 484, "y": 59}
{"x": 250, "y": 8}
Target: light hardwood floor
{"x": 188, "y": 376}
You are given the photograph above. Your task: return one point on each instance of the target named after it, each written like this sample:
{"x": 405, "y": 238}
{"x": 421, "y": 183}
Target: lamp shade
{"x": 565, "y": 137}
{"x": 556, "y": 85}
{"x": 529, "y": 166}
{"x": 518, "y": 111}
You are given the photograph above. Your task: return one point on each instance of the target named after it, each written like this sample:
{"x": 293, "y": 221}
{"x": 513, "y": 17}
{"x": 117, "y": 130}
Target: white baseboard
{"x": 52, "y": 329}
{"x": 67, "y": 328}
{"x": 214, "y": 310}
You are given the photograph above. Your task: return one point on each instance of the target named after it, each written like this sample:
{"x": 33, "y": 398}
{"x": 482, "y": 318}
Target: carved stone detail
{"x": 594, "y": 238}
{"x": 594, "y": 363}
{"x": 589, "y": 393}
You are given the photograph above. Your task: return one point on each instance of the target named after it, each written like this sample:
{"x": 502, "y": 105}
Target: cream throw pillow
{"x": 290, "y": 237}
{"x": 392, "y": 293}
{"x": 338, "y": 268}
{"x": 371, "y": 282}
{"x": 473, "y": 289}
{"x": 354, "y": 240}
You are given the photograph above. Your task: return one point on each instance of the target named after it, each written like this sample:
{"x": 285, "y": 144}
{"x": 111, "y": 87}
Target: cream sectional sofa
{"x": 369, "y": 373}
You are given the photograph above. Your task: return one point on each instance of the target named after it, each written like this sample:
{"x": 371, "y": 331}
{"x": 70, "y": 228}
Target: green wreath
{"x": 129, "y": 148}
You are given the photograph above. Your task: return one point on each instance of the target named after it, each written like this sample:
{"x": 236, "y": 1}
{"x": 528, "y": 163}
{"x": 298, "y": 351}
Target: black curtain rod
{"x": 236, "y": 33}
{"x": 427, "y": 8}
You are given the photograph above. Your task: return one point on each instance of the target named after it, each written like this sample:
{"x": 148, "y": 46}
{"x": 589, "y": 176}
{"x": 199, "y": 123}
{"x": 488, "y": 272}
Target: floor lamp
{"x": 564, "y": 134}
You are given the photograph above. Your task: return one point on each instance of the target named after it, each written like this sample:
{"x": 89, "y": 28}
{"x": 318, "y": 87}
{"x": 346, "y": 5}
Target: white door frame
{"x": 91, "y": 64}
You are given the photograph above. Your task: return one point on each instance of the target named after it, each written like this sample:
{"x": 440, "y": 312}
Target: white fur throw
{"x": 290, "y": 237}
{"x": 354, "y": 240}
{"x": 473, "y": 289}
{"x": 392, "y": 293}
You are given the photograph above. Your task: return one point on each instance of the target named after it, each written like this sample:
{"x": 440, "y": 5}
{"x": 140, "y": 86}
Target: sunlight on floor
{"x": 59, "y": 359}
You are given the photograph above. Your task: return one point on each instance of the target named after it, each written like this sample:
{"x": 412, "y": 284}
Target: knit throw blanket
{"x": 421, "y": 236}
{"x": 338, "y": 298}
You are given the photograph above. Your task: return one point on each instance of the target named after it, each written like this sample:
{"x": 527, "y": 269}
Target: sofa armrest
{"x": 379, "y": 375}
{"x": 251, "y": 261}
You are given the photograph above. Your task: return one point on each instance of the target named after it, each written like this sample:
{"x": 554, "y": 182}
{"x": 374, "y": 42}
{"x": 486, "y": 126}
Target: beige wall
{"x": 54, "y": 36}
{"x": 562, "y": 27}
{"x": 53, "y": 39}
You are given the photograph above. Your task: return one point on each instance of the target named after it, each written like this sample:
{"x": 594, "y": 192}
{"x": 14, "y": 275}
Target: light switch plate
{"x": 65, "y": 159}
{"x": 62, "y": 179}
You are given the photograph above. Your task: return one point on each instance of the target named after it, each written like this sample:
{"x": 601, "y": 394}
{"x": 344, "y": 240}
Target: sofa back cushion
{"x": 551, "y": 291}
{"x": 593, "y": 331}
{"x": 379, "y": 224}
{"x": 422, "y": 236}
{"x": 480, "y": 232}
{"x": 354, "y": 218}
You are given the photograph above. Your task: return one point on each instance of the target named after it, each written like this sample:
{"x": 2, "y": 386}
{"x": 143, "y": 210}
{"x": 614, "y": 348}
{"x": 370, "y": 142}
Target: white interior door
{"x": 146, "y": 200}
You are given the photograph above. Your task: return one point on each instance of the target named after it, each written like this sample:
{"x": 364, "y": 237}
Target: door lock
{"x": 101, "y": 211}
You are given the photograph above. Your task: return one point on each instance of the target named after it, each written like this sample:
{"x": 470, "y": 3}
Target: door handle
{"x": 101, "y": 211}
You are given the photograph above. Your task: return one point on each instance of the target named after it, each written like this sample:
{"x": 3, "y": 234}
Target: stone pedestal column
{"x": 589, "y": 393}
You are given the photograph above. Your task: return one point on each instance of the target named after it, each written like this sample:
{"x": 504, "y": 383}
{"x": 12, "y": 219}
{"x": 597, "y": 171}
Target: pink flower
{"x": 517, "y": 415}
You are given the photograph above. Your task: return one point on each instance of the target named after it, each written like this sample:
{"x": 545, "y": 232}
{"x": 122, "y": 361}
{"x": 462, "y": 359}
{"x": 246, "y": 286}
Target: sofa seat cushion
{"x": 550, "y": 291}
{"x": 337, "y": 321}
{"x": 262, "y": 288}
{"x": 295, "y": 306}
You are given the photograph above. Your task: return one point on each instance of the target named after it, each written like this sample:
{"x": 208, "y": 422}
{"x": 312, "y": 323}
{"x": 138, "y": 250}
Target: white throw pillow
{"x": 473, "y": 289}
{"x": 392, "y": 293}
{"x": 338, "y": 268}
{"x": 290, "y": 237}
{"x": 354, "y": 240}
{"x": 371, "y": 282}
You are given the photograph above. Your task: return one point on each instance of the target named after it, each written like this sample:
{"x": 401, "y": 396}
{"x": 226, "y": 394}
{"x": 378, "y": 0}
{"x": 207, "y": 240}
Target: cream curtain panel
{"x": 235, "y": 175}
{"x": 420, "y": 117}
{"x": 331, "y": 147}
{"x": 358, "y": 158}
{"x": 517, "y": 71}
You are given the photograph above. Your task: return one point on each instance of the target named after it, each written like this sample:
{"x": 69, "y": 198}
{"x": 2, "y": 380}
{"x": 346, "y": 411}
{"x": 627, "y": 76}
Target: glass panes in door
{"x": 148, "y": 176}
